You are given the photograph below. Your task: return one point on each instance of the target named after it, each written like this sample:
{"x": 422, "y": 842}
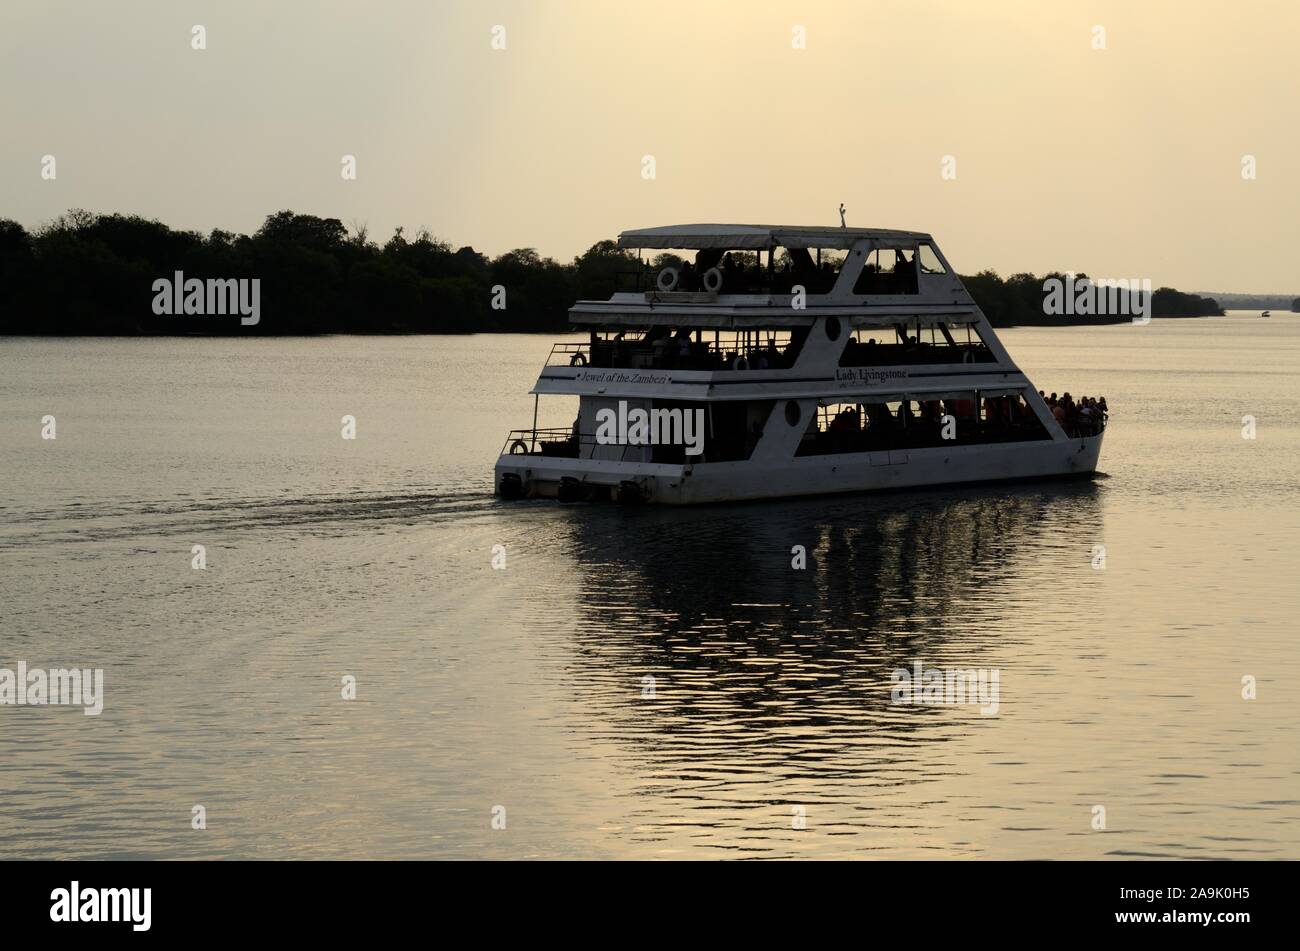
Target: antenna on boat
{"x": 842, "y": 224}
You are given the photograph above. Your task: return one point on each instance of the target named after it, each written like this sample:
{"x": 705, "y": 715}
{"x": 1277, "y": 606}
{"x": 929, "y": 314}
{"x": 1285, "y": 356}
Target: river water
{"x": 635, "y": 683}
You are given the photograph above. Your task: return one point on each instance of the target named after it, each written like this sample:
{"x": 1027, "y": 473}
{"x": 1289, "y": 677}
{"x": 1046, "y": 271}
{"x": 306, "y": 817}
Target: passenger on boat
{"x": 686, "y": 278}
{"x": 771, "y": 356}
{"x": 904, "y": 276}
{"x": 659, "y": 338}
{"x": 879, "y": 417}
{"x": 852, "y": 421}
{"x": 961, "y": 409}
{"x": 797, "y": 337}
{"x": 781, "y": 279}
{"x": 996, "y": 411}
{"x": 1086, "y": 417}
{"x": 1092, "y": 416}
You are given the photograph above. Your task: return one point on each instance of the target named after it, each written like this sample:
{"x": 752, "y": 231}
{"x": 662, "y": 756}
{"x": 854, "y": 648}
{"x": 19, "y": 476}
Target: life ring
{"x": 579, "y": 359}
{"x": 518, "y": 447}
{"x": 712, "y": 280}
{"x": 672, "y": 275}
{"x": 740, "y": 363}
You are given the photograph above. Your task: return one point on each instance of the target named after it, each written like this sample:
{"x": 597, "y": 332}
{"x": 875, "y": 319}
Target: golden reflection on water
{"x": 1120, "y": 688}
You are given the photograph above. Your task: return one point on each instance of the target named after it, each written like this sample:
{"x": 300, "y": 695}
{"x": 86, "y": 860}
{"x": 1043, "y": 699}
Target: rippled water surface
{"x": 527, "y": 687}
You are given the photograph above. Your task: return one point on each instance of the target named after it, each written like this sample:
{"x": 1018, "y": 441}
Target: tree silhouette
{"x": 86, "y": 273}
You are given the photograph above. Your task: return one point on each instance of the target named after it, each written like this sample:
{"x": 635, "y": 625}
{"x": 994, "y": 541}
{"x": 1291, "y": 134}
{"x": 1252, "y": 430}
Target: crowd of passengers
{"x": 1000, "y": 412}
{"x": 1087, "y": 417}
{"x": 1003, "y": 416}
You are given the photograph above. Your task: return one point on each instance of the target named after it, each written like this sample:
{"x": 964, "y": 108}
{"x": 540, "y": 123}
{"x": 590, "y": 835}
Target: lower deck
{"x": 574, "y": 479}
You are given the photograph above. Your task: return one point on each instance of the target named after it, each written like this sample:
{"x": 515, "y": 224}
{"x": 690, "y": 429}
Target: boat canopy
{"x": 701, "y": 237}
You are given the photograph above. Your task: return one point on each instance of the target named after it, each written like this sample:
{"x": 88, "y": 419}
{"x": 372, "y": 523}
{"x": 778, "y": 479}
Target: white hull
{"x": 808, "y": 475}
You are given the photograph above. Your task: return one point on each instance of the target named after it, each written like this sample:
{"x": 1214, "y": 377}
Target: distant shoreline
{"x": 113, "y": 275}
{"x": 238, "y": 334}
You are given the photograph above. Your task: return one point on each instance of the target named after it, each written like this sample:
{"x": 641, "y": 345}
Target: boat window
{"x": 920, "y": 421}
{"x": 683, "y": 348}
{"x": 930, "y": 263}
{"x": 887, "y": 271}
{"x": 914, "y": 343}
{"x": 814, "y": 269}
{"x": 767, "y": 271}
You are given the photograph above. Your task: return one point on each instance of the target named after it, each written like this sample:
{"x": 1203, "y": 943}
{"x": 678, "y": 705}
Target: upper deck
{"x": 715, "y": 275}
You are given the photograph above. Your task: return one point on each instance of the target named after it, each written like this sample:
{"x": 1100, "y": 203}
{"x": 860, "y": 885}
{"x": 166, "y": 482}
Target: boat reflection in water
{"x": 771, "y": 685}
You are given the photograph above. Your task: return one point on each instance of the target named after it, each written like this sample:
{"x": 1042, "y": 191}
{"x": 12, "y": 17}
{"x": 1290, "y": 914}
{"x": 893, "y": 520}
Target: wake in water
{"x": 116, "y": 519}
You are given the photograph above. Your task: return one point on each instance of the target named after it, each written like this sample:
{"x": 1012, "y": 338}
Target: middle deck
{"x": 696, "y": 356}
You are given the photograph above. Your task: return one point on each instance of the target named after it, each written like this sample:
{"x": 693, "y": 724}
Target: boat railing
{"x": 565, "y": 444}
{"x": 541, "y": 442}
{"x": 667, "y": 353}
{"x": 1083, "y": 428}
{"x": 569, "y": 354}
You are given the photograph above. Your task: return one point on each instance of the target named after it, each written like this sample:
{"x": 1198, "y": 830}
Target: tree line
{"x": 87, "y": 273}
{"x": 1018, "y": 300}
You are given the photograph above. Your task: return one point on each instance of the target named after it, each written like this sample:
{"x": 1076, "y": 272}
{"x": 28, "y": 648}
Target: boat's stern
{"x": 527, "y": 476}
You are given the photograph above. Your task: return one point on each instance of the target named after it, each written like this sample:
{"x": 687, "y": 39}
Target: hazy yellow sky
{"x": 1123, "y": 162}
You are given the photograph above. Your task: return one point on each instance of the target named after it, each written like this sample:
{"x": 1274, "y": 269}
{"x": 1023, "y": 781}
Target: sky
{"x": 1122, "y": 161}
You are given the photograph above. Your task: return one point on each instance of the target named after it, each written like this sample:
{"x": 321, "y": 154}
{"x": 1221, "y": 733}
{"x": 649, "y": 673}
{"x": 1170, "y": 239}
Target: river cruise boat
{"x": 763, "y": 361}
